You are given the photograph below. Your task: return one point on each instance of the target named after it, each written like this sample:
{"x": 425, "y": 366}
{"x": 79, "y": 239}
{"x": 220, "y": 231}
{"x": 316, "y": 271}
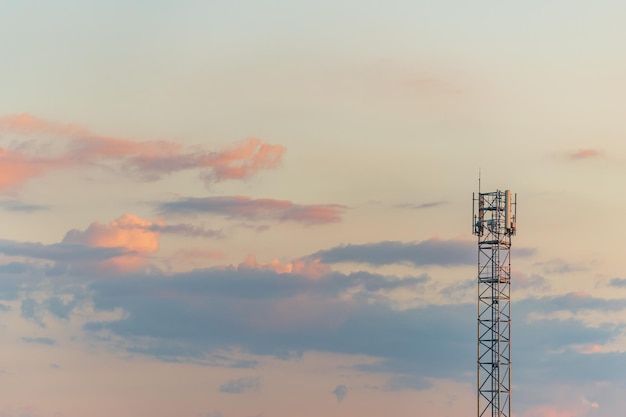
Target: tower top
{"x": 502, "y": 209}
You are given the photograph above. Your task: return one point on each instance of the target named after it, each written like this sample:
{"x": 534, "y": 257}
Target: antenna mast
{"x": 494, "y": 215}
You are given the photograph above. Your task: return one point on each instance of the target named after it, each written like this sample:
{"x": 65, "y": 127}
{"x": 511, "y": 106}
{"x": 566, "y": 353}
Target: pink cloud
{"x": 310, "y": 268}
{"x": 18, "y": 167}
{"x": 190, "y": 258}
{"x": 573, "y": 409}
{"x": 149, "y": 160}
{"x": 589, "y": 349}
{"x": 585, "y": 154}
{"x": 131, "y": 233}
{"x": 553, "y": 411}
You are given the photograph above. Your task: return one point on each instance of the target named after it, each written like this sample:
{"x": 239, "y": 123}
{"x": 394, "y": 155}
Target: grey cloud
{"x": 214, "y": 414}
{"x": 197, "y": 316}
{"x": 5, "y": 308}
{"x": 60, "y": 252}
{"x": 572, "y": 302}
{"x": 39, "y": 340}
{"x": 428, "y": 252}
{"x": 30, "y": 310}
{"x": 618, "y": 282}
{"x": 188, "y": 230}
{"x": 425, "y": 253}
{"x": 58, "y": 308}
{"x": 558, "y": 266}
{"x": 407, "y": 382}
{"x": 340, "y": 392}
{"x": 242, "y": 207}
{"x": 15, "y": 268}
{"x": 241, "y": 385}
{"x": 422, "y": 206}
{"x": 18, "y": 206}
{"x": 215, "y": 310}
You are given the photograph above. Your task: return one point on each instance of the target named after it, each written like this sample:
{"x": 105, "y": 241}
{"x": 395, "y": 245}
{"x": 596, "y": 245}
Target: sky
{"x": 263, "y": 208}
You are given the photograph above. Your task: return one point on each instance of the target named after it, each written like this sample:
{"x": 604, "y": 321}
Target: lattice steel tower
{"x": 494, "y": 224}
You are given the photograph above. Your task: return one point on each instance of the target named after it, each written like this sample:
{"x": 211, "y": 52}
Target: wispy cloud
{"x": 428, "y": 252}
{"x": 618, "y": 282}
{"x": 559, "y": 266}
{"x": 452, "y": 252}
{"x": 18, "y": 206}
{"x": 44, "y": 146}
{"x": 340, "y": 392}
{"x": 587, "y": 153}
{"x": 243, "y": 207}
{"x": 241, "y": 385}
{"x": 407, "y": 382}
{"x": 421, "y": 206}
{"x": 312, "y": 268}
{"x": 39, "y": 340}
{"x": 59, "y": 252}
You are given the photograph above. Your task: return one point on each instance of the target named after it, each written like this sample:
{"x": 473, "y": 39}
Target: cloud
{"x": 242, "y": 207}
{"x": 241, "y": 385}
{"x": 558, "y": 266}
{"x": 189, "y": 230}
{"x": 39, "y": 340}
{"x": 573, "y": 302}
{"x": 59, "y": 252}
{"x": 193, "y": 316}
{"x": 58, "y": 308}
{"x": 428, "y": 252}
{"x": 134, "y": 236}
{"x": 18, "y": 206}
{"x": 340, "y": 392}
{"x": 44, "y": 146}
{"x": 587, "y": 153}
{"x": 124, "y": 244}
{"x": 430, "y": 204}
{"x": 312, "y": 268}
{"x": 407, "y": 382}
{"x": 30, "y": 311}
{"x": 265, "y": 312}
{"x": 618, "y": 282}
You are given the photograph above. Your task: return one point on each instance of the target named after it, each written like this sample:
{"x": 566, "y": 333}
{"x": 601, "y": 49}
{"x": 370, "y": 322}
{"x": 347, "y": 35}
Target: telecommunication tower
{"x": 494, "y": 216}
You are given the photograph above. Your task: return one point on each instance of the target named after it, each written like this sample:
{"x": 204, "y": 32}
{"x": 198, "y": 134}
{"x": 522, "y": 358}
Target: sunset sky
{"x": 263, "y": 208}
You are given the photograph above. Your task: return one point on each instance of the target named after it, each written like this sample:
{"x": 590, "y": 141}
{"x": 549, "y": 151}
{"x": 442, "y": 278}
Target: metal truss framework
{"x": 494, "y": 224}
